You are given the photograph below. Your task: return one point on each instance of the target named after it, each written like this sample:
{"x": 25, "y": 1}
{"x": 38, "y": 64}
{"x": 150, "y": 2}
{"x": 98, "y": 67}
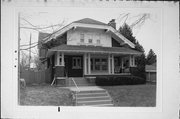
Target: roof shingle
{"x": 89, "y": 21}
{"x": 95, "y": 49}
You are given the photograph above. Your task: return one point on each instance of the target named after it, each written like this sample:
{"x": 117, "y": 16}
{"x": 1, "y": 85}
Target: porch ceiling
{"x": 94, "y": 49}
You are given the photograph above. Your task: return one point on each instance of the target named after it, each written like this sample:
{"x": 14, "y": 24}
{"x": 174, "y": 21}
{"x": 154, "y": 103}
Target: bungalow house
{"x": 87, "y": 48}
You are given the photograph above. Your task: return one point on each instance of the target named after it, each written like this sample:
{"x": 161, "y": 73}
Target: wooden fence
{"x": 36, "y": 77}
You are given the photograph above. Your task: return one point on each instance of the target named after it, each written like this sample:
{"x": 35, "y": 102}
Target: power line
{"x": 28, "y": 44}
{"x": 29, "y": 47}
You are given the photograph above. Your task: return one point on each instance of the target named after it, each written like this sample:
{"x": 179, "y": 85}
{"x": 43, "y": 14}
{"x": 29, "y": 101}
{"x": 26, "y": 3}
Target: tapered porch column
{"x": 131, "y": 61}
{"x": 60, "y": 55}
{"x": 62, "y": 59}
{"x": 89, "y": 63}
{"x": 122, "y": 62}
{"x": 109, "y": 63}
{"x": 112, "y": 64}
{"x": 85, "y": 64}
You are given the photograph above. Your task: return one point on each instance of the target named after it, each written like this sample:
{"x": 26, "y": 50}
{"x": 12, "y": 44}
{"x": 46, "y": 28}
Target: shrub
{"x": 119, "y": 80}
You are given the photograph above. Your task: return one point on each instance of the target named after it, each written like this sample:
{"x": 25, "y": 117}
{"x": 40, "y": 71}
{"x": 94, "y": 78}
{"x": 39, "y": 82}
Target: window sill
{"x": 94, "y": 44}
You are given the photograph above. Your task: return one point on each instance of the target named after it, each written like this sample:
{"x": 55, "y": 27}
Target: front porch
{"x": 82, "y": 63}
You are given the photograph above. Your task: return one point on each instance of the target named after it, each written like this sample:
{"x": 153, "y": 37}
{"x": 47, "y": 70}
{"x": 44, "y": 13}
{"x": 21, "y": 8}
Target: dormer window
{"x": 90, "y": 40}
{"x": 82, "y": 38}
{"x": 98, "y": 41}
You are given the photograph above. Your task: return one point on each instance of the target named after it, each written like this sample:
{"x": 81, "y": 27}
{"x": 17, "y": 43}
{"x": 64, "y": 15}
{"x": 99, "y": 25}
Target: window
{"x": 76, "y": 63}
{"x": 90, "y": 40}
{"x": 104, "y": 64}
{"x": 98, "y": 41}
{"x": 82, "y": 38}
{"x": 99, "y": 64}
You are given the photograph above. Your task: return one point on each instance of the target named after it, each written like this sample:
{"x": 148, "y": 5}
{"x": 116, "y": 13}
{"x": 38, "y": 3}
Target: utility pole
{"x": 18, "y": 58}
{"x": 30, "y": 52}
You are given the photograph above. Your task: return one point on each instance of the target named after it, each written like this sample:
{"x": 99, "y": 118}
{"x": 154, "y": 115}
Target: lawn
{"x": 45, "y": 96}
{"x": 133, "y": 95}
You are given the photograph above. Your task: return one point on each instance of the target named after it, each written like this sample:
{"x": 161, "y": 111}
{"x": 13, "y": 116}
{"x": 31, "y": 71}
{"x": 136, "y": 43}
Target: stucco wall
{"x": 73, "y": 37}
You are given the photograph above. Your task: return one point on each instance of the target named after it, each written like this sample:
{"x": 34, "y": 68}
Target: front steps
{"x": 93, "y": 98}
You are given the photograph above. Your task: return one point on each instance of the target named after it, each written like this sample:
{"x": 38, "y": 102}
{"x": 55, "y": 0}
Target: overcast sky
{"x": 149, "y": 34}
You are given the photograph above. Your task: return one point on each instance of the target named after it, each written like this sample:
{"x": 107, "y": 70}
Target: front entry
{"x": 74, "y": 65}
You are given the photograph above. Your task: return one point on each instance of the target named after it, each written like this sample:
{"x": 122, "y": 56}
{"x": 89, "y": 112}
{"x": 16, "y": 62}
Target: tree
{"x": 151, "y": 57}
{"x": 24, "y": 62}
{"x": 126, "y": 31}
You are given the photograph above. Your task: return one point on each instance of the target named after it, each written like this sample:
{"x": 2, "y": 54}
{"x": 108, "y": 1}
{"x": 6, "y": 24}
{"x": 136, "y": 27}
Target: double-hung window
{"x": 76, "y": 63}
{"x": 82, "y": 38}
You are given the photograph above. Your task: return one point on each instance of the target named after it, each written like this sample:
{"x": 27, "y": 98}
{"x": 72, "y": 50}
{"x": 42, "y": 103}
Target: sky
{"x": 148, "y": 35}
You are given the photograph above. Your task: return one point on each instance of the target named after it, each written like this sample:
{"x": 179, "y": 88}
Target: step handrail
{"x": 75, "y": 85}
{"x": 77, "y": 89}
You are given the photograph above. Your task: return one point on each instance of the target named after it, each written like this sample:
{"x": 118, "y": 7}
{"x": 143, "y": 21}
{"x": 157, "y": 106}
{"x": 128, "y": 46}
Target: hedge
{"x": 119, "y": 80}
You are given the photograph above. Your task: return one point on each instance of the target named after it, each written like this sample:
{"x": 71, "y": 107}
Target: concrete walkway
{"x": 86, "y": 88}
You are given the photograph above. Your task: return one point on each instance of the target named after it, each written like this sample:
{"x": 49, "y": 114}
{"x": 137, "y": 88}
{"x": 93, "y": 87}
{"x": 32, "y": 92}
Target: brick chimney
{"x": 112, "y": 23}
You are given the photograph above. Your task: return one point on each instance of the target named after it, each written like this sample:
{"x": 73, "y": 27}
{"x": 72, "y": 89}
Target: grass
{"x": 133, "y": 95}
{"x": 45, "y": 96}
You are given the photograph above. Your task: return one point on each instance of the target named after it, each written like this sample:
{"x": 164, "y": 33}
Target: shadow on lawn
{"x": 133, "y": 95}
{"x": 45, "y": 95}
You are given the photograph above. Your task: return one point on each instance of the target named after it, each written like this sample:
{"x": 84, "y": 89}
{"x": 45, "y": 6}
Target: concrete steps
{"x": 93, "y": 98}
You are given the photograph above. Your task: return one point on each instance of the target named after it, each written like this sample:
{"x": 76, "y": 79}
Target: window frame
{"x": 90, "y": 39}
{"x": 82, "y": 38}
{"x": 75, "y": 64}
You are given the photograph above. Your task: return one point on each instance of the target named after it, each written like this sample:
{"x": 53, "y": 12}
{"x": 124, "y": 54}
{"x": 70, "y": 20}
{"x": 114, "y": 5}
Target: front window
{"x": 99, "y": 64}
{"x": 76, "y": 63}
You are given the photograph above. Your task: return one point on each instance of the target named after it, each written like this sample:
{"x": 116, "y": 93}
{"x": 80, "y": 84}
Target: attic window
{"x": 82, "y": 38}
{"x": 90, "y": 40}
{"x": 98, "y": 41}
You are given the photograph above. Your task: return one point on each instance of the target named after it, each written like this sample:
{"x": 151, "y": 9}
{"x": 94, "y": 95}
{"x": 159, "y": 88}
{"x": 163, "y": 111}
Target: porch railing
{"x": 76, "y": 92}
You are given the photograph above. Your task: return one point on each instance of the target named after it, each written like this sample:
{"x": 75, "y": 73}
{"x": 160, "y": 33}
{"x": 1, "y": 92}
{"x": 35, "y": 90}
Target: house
{"x": 87, "y": 48}
{"x": 151, "y": 72}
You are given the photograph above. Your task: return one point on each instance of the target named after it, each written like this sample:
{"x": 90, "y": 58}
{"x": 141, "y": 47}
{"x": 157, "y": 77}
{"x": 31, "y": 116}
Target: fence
{"x": 36, "y": 77}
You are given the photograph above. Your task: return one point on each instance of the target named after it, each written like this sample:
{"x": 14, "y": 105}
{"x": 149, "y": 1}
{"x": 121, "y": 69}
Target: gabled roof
{"x": 94, "y": 49}
{"x": 89, "y": 21}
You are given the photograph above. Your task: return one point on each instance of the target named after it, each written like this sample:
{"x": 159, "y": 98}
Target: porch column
{"x": 133, "y": 60}
{"x": 130, "y": 61}
{"x": 62, "y": 54}
{"x": 57, "y": 58}
{"x": 85, "y": 64}
{"x": 109, "y": 64}
{"x": 122, "y": 62}
{"x": 89, "y": 63}
{"x": 112, "y": 64}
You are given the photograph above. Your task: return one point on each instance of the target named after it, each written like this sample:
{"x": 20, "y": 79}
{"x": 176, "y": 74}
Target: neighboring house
{"x": 151, "y": 72}
{"x": 87, "y": 48}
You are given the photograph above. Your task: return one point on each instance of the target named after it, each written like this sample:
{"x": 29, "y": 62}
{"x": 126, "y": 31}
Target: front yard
{"x": 45, "y": 96}
{"x": 133, "y": 95}
{"x": 124, "y": 96}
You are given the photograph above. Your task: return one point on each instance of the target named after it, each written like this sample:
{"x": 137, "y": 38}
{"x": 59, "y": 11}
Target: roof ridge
{"x": 89, "y": 21}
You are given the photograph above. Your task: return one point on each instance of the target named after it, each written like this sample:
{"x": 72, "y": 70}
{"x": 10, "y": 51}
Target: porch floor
{"x": 86, "y": 88}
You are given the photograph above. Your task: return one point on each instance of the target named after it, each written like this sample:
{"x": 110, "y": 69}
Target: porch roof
{"x": 94, "y": 49}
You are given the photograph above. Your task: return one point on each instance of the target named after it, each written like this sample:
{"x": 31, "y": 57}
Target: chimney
{"x": 112, "y": 23}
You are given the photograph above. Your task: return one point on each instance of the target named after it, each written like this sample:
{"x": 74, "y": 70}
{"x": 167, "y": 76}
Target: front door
{"x": 74, "y": 65}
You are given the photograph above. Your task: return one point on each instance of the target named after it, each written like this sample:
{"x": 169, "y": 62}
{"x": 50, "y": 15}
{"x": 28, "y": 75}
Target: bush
{"x": 119, "y": 80}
